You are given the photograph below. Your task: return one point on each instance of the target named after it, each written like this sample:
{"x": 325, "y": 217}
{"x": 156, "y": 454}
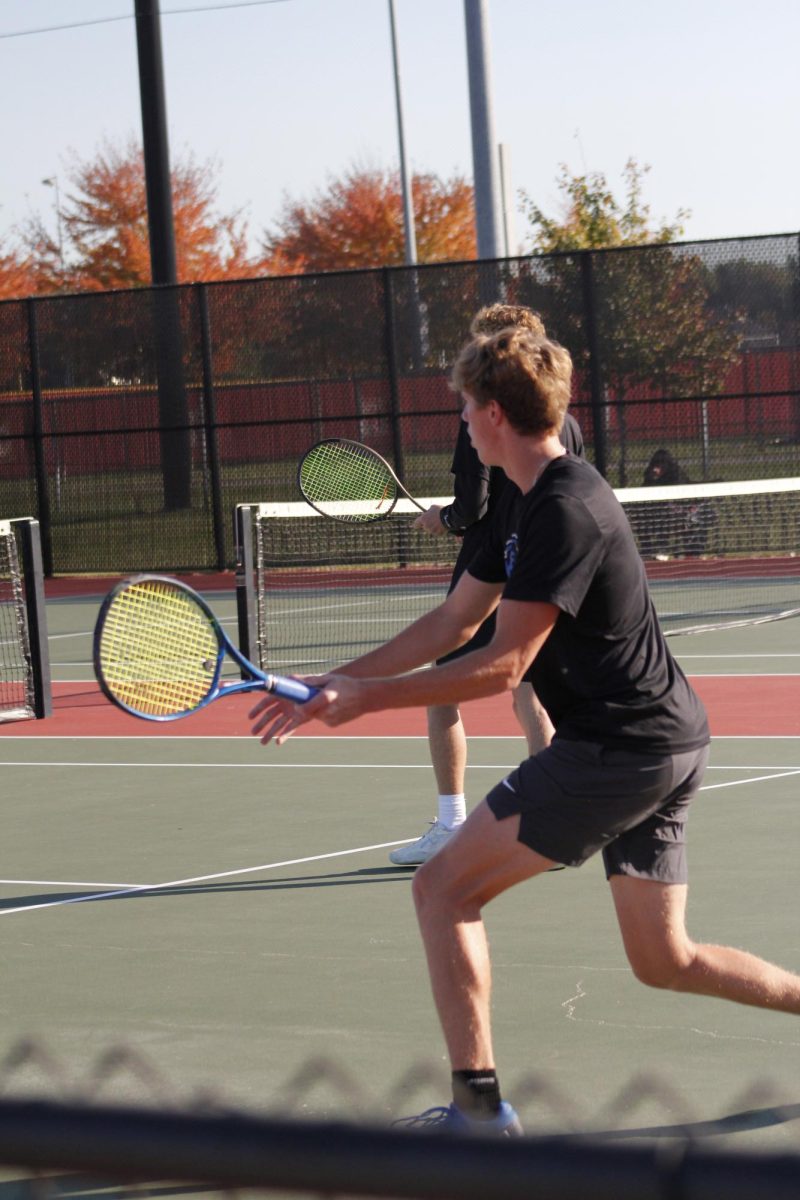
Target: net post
{"x": 36, "y": 613}
{"x": 246, "y": 606}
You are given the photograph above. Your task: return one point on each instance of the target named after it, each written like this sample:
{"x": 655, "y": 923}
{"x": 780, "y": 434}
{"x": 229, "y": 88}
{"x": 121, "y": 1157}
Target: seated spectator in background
{"x": 672, "y": 528}
{"x": 664, "y": 468}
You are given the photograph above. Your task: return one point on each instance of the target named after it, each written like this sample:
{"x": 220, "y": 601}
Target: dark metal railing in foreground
{"x": 233, "y": 1151}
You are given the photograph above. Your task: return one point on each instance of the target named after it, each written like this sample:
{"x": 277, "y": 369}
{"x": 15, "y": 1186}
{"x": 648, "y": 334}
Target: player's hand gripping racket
{"x": 159, "y": 650}
{"x": 349, "y": 482}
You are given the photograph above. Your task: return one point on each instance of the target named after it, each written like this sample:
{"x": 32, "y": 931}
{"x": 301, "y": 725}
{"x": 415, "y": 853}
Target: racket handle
{"x": 290, "y": 689}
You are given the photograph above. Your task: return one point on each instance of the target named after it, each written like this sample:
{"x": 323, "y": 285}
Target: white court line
{"x": 793, "y": 674}
{"x": 324, "y": 737}
{"x": 87, "y": 633}
{"x": 286, "y": 766}
{"x": 710, "y": 787}
{"x": 133, "y": 889}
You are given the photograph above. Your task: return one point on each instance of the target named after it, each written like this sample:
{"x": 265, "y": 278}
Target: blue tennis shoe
{"x": 506, "y": 1123}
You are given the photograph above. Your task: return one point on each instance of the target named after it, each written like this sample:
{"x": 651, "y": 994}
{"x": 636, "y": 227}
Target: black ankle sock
{"x": 477, "y": 1093}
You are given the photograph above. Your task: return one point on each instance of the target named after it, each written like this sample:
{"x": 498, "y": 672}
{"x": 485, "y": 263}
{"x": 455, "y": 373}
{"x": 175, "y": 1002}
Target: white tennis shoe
{"x": 418, "y": 852}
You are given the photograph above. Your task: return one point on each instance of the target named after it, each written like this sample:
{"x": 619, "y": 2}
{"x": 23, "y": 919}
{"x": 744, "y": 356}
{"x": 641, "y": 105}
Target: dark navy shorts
{"x": 575, "y": 798}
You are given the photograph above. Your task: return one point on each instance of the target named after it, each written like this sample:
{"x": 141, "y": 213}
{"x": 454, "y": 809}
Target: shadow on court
{"x": 740, "y": 1122}
{"x": 335, "y": 879}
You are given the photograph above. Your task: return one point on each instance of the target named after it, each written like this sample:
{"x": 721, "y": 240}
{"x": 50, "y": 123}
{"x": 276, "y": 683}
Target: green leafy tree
{"x": 592, "y": 218}
{"x": 657, "y": 332}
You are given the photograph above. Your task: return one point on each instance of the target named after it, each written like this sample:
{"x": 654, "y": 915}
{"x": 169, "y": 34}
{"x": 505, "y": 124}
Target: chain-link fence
{"x": 132, "y": 423}
{"x": 122, "y": 1130}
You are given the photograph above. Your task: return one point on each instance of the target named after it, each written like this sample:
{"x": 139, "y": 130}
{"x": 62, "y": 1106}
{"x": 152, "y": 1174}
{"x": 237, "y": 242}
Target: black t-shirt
{"x": 605, "y": 674}
{"x": 477, "y": 489}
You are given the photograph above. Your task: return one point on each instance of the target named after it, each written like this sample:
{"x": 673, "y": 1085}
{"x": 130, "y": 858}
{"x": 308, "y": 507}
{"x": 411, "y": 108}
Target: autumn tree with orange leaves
{"x": 357, "y": 222}
{"x": 16, "y": 273}
{"x": 105, "y": 229}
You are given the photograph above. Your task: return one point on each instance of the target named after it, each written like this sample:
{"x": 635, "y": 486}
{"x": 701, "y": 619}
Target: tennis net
{"x": 314, "y": 592}
{"x": 24, "y": 663}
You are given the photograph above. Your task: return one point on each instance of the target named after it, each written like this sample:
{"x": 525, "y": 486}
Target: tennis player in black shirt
{"x": 631, "y": 736}
{"x": 477, "y": 492}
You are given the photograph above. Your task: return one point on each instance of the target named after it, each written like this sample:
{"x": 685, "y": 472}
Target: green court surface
{"x": 225, "y": 916}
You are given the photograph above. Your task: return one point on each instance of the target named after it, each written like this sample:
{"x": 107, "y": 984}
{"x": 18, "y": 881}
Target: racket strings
{"x": 334, "y": 473}
{"x": 158, "y": 650}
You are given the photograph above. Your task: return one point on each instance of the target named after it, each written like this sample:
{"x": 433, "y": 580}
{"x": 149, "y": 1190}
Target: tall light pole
{"x": 176, "y": 459}
{"x": 507, "y": 200}
{"x": 52, "y": 182}
{"x": 484, "y": 144}
{"x": 160, "y": 219}
{"x": 408, "y": 202}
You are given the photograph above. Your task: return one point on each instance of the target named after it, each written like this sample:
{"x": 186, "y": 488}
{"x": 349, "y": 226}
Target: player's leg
{"x": 532, "y": 717}
{"x": 652, "y": 921}
{"x": 481, "y": 861}
{"x": 556, "y": 807}
{"x": 448, "y": 748}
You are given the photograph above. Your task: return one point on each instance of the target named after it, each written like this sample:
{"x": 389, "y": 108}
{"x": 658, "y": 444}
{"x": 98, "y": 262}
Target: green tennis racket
{"x": 349, "y": 481}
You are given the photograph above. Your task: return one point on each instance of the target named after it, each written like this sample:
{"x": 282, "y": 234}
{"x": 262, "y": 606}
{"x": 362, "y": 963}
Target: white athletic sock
{"x": 452, "y": 810}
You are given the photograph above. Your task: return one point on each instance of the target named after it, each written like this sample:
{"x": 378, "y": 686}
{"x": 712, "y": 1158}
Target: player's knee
{"x": 426, "y": 886}
{"x": 436, "y": 890}
{"x": 661, "y": 968}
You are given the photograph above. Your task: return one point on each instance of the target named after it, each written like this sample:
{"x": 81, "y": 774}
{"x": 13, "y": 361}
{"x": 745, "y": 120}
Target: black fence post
{"x": 210, "y": 426}
{"x": 391, "y": 364}
{"x": 175, "y": 431}
{"x": 793, "y": 357}
{"x": 390, "y": 322}
{"x": 597, "y": 397}
{"x": 40, "y": 466}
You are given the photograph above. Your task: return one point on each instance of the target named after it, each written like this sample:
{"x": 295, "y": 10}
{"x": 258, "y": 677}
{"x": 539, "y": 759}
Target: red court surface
{"x": 738, "y": 706}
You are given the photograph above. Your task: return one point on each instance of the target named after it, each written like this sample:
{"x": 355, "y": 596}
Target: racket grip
{"x": 290, "y": 689}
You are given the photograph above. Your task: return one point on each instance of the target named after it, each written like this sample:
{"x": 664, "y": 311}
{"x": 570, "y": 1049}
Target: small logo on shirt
{"x": 511, "y": 555}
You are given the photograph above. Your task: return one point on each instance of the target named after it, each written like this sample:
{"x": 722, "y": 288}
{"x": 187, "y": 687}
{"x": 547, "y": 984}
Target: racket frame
{"x": 364, "y": 449}
{"x": 257, "y": 680}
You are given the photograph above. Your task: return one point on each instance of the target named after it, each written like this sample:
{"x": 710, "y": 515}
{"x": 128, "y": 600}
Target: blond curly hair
{"x": 530, "y": 378}
{"x": 494, "y": 317}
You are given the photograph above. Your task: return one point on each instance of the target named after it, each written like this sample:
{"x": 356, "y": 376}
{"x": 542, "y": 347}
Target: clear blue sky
{"x": 282, "y": 95}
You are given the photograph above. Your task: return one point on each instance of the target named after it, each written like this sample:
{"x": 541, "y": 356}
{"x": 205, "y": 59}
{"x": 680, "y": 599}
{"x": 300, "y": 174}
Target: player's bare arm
{"x": 438, "y": 632}
{"x": 449, "y": 625}
{"x": 522, "y": 629}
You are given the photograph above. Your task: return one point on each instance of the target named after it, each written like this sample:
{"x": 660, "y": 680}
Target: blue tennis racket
{"x": 159, "y": 650}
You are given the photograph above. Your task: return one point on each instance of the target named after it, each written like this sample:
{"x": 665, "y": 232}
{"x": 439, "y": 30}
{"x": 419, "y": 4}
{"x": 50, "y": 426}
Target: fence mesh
{"x": 132, "y": 422}
{"x": 121, "y": 1128}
